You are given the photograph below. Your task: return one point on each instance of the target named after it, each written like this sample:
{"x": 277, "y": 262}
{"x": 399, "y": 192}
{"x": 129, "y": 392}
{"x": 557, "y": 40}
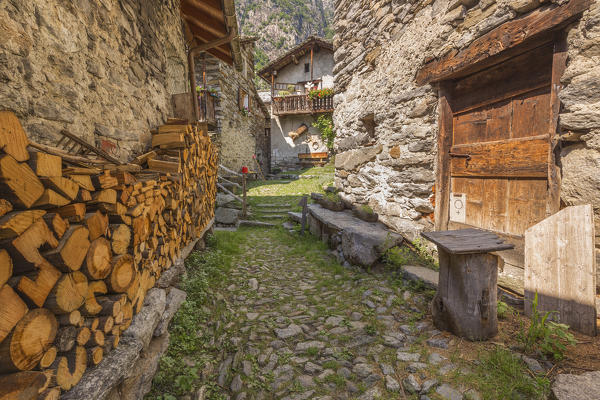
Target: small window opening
{"x": 307, "y": 67}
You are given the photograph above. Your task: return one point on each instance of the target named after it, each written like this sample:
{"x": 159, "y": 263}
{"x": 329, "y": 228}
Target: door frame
{"x": 446, "y": 128}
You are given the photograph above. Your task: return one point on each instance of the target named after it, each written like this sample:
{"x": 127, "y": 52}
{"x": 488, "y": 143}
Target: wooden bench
{"x": 466, "y": 301}
{"x": 313, "y": 158}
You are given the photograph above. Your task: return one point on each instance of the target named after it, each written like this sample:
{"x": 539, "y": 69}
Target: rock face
{"x": 380, "y": 46}
{"x": 580, "y": 387}
{"x": 104, "y": 71}
{"x": 226, "y": 216}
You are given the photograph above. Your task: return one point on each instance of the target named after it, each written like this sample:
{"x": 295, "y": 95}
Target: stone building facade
{"x": 291, "y": 76}
{"x": 387, "y": 122}
{"x": 242, "y": 118}
{"x": 102, "y": 70}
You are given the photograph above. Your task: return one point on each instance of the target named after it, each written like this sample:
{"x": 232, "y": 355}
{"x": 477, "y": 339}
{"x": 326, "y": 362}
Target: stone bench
{"x": 466, "y": 301}
{"x": 363, "y": 243}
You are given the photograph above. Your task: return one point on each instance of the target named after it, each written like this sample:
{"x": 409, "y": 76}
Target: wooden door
{"x": 501, "y": 126}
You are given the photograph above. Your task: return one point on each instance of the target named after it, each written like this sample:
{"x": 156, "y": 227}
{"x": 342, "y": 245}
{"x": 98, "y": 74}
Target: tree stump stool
{"x": 466, "y": 300}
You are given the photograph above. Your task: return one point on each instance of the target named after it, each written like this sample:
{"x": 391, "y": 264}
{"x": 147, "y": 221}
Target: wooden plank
{"x": 559, "y": 64}
{"x": 467, "y": 241}
{"x": 506, "y": 36}
{"x": 164, "y": 166}
{"x": 506, "y": 158}
{"x": 560, "y": 265}
{"x": 442, "y": 175}
{"x": 169, "y": 139}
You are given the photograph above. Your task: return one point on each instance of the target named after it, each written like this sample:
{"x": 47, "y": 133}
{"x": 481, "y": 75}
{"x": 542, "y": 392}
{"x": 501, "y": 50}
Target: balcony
{"x": 206, "y": 105}
{"x": 301, "y": 104}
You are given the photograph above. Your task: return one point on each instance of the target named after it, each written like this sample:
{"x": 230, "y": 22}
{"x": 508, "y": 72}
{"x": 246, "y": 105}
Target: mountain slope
{"x": 282, "y": 24}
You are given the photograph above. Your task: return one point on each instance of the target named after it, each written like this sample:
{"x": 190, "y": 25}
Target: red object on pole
{"x": 244, "y": 170}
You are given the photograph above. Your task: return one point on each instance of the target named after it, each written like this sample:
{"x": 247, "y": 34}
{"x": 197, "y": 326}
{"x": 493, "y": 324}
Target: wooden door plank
{"x": 506, "y": 36}
{"x": 530, "y": 113}
{"x": 527, "y": 199}
{"x": 560, "y": 265}
{"x": 510, "y": 158}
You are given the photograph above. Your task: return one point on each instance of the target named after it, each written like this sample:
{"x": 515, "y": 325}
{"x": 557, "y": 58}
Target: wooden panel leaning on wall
{"x": 81, "y": 245}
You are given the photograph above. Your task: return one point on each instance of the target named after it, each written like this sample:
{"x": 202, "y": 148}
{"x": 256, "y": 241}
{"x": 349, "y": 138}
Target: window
{"x": 244, "y": 100}
{"x": 307, "y": 67}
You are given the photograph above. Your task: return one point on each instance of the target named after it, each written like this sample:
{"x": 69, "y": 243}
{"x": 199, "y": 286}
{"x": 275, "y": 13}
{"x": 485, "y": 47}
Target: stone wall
{"x": 284, "y": 149}
{"x": 239, "y": 135}
{"x": 103, "y": 70}
{"x": 387, "y": 125}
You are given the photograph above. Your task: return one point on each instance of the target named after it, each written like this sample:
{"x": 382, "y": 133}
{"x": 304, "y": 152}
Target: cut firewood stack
{"x": 81, "y": 245}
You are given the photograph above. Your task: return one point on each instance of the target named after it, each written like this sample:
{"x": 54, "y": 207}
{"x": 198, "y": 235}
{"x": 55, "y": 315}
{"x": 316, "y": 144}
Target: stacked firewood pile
{"x": 81, "y": 246}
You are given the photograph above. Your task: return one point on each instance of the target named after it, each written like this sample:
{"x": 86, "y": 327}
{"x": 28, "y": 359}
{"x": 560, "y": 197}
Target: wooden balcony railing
{"x": 206, "y": 105}
{"x": 301, "y": 104}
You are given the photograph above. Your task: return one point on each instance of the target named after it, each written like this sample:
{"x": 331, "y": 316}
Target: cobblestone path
{"x": 289, "y": 327}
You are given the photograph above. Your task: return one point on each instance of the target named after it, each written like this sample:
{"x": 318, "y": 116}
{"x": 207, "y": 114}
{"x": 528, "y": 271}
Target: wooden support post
{"x": 244, "y": 205}
{"x": 466, "y": 301}
{"x": 304, "y": 204}
{"x": 311, "y": 64}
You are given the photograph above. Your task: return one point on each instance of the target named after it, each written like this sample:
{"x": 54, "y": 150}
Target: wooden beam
{"x": 499, "y": 40}
{"x": 559, "y": 64}
{"x": 211, "y": 9}
{"x": 442, "y": 175}
{"x": 311, "y": 63}
{"x": 205, "y": 25}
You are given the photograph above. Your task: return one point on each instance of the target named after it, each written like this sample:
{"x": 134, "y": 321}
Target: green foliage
{"x": 503, "y": 309}
{"x": 371, "y": 330}
{"x": 403, "y": 255}
{"x": 500, "y": 374}
{"x": 550, "y": 337}
{"x": 324, "y": 124}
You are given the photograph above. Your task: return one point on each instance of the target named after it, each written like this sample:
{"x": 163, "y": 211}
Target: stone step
{"x": 273, "y": 205}
{"x": 274, "y": 216}
{"x": 256, "y": 224}
{"x": 272, "y": 211}
{"x": 295, "y": 216}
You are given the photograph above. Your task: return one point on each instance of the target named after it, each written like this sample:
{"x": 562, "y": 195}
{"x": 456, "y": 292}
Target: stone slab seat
{"x": 363, "y": 243}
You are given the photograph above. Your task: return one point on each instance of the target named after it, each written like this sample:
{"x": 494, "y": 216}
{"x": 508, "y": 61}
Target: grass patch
{"x": 502, "y": 375}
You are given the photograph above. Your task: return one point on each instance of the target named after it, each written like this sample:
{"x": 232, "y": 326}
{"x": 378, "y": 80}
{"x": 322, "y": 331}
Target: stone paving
{"x": 293, "y": 329}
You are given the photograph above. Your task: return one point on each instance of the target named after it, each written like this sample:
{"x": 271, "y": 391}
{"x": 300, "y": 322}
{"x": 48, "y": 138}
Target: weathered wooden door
{"x": 502, "y": 121}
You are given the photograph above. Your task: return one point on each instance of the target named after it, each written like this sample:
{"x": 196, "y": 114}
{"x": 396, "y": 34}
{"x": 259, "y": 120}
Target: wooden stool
{"x": 466, "y": 300}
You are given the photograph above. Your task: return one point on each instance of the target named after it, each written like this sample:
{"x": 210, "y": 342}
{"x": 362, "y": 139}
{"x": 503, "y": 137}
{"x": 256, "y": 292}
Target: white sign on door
{"x": 458, "y": 207}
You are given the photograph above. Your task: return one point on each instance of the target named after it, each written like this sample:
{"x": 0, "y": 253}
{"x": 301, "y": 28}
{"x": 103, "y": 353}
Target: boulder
{"x": 351, "y": 159}
{"x": 226, "y": 216}
{"x": 581, "y": 387}
{"x": 223, "y": 199}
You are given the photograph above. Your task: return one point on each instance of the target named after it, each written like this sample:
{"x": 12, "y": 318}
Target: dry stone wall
{"x": 387, "y": 125}
{"x": 103, "y": 70}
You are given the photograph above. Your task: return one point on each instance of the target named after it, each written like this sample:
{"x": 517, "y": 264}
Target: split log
{"x": 15, "y": 223}
{"x": 48, "y": 357}
{"x": 120, "y": 238}
{"x": 122, "y": 275}
{"x": 63, "y": 186}
{"x": 97, "y": 339}
{"x": 44, "y": 164}
{"x": 69, "y": 293}
{"x": 65, "y": 338}
{"x": 106, "y": 324}
{"x": 71, "y": 367}
{"x": 72, "y": 318}
{"x": 98, "y": 260}
{"x": 13, "y": 140}
{"x": 97, "y": 224}
{"x": 84, "y": 334}
{"x": 73, "y": 212}
{"x": 51, "y": 199}
{"x": 95, "y": 355}
{"x": 6, "y": 267}
{"x": 25, "y": 346}
{"x": 169, "y": 140}
{"x": 5, "y": 207}
{"x": 105, "y": 196}
{"x": 104, "y": 181}
{"x": 12, "y": 310}
{"x": 84, "y": 182}
{"x": 22, "y": 385}
{"x": 71, "y": 250}
{"x": 58, "y": 225}
{"x": 18, "y": 183}
{"x": 91, "y": 306}
{"x": 24, "y": 250}
{"x": 164, "y": 166}
{"x": 144, "y": 158}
